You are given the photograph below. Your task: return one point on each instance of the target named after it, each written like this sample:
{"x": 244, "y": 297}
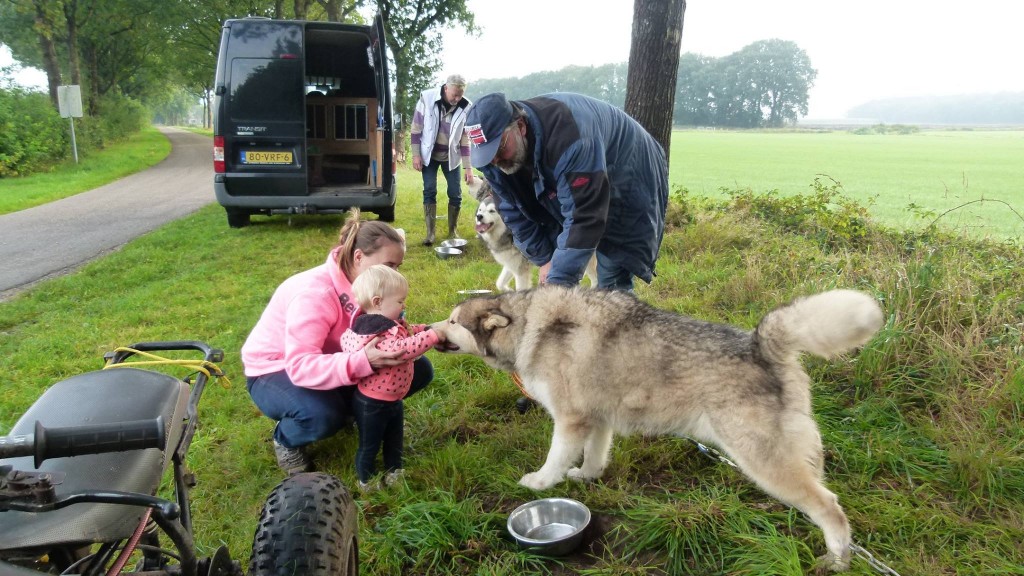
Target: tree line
{"x": 765, "y": 84}
{"x": 1005, "y": 108}
{"x": 160, "y": 56}
{"x": 154, "y": 52}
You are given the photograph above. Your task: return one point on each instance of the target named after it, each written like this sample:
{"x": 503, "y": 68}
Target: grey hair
{"x": 517, "y": 114}
{"x": 456, "y": 80}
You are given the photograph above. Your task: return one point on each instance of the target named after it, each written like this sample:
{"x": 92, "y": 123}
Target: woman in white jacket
{"x": 438, "y": 140}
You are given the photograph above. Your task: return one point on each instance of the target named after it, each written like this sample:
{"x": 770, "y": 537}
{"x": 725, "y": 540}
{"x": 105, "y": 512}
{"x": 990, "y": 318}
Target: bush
{"x": 121, "y": 117}
{"x": 117, "y": 117}
{"x": 34, "y": 137}
{"x": 32, "y": 133}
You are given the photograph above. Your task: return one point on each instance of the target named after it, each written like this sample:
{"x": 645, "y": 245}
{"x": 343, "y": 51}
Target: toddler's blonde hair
{"x": 377, "y": 280}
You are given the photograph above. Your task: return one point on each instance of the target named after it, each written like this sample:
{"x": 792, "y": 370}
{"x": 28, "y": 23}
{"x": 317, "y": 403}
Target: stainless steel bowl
{"x": 445, "y": 252}
{"x": 551, "y": 526}
{"x": 454, "y": 243}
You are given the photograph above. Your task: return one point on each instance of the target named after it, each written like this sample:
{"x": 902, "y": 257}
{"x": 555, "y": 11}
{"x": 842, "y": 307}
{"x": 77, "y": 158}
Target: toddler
{"x": 377, "y": 406}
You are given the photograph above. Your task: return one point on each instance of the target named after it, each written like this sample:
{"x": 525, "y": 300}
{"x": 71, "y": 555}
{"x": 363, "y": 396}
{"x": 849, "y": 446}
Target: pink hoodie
{"x": 300, "y": 331}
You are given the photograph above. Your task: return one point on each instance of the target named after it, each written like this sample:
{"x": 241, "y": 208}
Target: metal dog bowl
{"x": 445, "y": 252}
{"x": 551, "y": 526}
{"x": 454, "y": 243}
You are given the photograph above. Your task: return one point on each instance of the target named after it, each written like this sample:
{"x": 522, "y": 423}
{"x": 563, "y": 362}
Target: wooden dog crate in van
{"x": 342, "y": 142}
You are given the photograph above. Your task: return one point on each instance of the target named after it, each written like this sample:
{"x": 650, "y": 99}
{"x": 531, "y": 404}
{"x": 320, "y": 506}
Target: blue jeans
{"x": 453, "y": 177}
{"x": 613, "y": 276}
{"x": 381, "y": 424}
{"x": 303, "y": 415}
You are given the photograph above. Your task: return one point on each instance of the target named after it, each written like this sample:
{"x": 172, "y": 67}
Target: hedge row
{"x": 33, "y": 136}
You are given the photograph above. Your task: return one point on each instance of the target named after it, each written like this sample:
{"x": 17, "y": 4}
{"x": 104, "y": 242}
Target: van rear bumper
{"x": 323, "y": 200}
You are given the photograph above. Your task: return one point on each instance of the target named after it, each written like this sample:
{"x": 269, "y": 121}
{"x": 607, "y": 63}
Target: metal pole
{"x": 74, "y": 145}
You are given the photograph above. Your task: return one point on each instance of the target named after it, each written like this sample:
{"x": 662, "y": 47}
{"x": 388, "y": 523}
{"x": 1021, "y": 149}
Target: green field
{"x": 934, "y": 170}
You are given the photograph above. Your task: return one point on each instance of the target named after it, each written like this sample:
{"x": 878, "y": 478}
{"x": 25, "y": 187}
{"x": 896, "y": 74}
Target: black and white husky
{"x": 515, "y": 268}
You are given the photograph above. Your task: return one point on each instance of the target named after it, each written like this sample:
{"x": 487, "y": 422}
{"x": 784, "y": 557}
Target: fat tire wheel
{"x": 238, "y": 219}
{"x": 307, "y": 526}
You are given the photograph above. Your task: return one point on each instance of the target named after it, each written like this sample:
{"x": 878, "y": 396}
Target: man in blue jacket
{"x": 573, "y": 176}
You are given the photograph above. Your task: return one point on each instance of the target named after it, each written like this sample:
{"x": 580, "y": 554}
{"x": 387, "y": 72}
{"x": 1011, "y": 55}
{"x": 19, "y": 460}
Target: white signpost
{"x": 69, "y": 102}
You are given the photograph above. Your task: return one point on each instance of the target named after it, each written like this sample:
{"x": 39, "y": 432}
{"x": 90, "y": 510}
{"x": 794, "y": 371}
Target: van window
{"x": 264, "y": 89}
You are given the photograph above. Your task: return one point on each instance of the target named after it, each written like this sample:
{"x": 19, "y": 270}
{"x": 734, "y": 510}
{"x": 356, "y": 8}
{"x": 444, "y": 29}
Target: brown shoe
{"x": 292, "y": 460}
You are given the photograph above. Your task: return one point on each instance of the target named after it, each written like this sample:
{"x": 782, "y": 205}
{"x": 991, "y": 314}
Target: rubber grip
{"x": 98, "y": 439}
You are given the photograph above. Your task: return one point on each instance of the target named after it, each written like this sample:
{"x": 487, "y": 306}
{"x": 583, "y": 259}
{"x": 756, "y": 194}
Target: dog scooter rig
{"x": 81, "y": 471}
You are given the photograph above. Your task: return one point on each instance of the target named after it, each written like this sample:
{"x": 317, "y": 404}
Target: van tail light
{"x": 218, "y": 154}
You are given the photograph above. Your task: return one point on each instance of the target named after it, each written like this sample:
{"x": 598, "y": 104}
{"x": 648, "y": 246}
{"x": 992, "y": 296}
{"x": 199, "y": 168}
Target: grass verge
{"x": 138, "y": 152}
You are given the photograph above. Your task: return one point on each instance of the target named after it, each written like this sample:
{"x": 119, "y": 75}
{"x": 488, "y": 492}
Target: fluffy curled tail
{"x": 824, "y": 324}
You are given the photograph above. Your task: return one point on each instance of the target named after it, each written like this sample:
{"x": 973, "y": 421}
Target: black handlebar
{"x": 209, "y": 354}
{"x": 66, "y": 441}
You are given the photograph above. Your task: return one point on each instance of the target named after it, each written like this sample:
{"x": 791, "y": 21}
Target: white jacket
{"x": 427, "y": 109}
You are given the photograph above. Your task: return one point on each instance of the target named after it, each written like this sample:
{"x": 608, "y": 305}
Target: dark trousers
{"x": 304, "y": 415}
{"x": 452, "y": 176}
{"x": 381, "y": 429}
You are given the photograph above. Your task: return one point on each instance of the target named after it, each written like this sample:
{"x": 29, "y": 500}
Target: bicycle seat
{"x": 115, "y": 395}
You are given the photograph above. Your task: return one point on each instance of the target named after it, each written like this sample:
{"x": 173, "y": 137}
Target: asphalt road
{"x": 56, "y": 238}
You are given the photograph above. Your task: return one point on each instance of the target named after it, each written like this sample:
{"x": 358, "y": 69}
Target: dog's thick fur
{"x": 603, "y": 362}
{"x": 498, "y": 239}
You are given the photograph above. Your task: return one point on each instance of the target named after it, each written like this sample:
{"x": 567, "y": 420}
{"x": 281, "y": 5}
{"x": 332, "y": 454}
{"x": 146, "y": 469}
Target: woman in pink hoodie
{"x": 296, "y": 372}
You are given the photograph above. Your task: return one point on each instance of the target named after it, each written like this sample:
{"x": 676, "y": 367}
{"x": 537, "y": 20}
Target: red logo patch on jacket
{"x": 580, "y": 182}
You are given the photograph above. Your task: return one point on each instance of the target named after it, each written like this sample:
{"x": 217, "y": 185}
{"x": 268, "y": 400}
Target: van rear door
{"x": 385, "y": 116}
{"x": 264, "y": 133}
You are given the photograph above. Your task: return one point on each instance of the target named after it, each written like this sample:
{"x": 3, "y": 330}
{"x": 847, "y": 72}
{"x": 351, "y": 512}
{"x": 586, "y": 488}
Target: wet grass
{"x": 921, "y": 428}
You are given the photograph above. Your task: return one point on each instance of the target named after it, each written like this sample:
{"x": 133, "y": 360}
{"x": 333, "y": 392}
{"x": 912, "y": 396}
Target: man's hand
{"x": 381, "y": 358}
{"x": 544, "y": 273}
{"x": 417, "y": 163}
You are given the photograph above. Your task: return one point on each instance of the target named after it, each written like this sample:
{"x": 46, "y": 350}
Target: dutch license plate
{"x": 262, "y": 157}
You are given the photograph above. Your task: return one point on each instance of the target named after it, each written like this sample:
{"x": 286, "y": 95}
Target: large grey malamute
{"x": 498, "y": 239}
{"x": 603, "y": 362}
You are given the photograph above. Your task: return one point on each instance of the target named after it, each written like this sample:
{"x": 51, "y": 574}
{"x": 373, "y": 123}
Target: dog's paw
{"x": 830, "y": 563}
{"x": 579, "y": 474}
{"x": 536, "y": 481}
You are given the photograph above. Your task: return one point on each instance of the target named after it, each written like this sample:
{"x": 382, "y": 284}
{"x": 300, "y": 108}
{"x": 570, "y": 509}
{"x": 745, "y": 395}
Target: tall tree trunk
{"x": 71, "y": 22}
{"x": 94, "y": 78}
{"x": 654, "y": 66}
{"x": 301, "y": 7}
{"x": 44, "y": 29}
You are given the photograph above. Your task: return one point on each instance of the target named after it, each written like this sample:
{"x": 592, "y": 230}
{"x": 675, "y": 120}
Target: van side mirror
{"x": 220, "y": 90}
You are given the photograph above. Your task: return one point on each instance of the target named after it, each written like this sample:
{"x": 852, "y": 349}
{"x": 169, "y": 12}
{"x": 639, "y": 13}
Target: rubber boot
{"x": 430, "y": 218}
{"x": 453, "y": 220}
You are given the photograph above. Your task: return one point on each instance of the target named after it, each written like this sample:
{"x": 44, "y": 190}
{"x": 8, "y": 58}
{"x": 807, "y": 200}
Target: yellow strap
{"x": 205, "y": 366}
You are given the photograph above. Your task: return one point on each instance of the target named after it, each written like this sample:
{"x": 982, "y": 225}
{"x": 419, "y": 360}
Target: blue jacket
{"x": 600, "y": 182}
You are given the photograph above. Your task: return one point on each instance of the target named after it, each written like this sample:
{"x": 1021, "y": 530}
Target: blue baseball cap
{"x": 487, "y": 119}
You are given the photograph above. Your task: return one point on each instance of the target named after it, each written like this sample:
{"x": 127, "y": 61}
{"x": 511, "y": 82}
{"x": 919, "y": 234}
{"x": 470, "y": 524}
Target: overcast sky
{"x": 863, "y": 50}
